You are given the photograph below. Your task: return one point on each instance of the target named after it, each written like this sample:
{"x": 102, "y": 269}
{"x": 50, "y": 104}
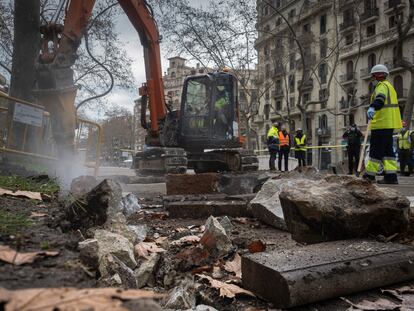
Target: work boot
{"x": 369, "y": 178}
{"x": 389, "y": 179}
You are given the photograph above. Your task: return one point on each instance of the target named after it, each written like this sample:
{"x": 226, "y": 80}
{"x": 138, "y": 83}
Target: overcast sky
{"x": 130, "y": 40}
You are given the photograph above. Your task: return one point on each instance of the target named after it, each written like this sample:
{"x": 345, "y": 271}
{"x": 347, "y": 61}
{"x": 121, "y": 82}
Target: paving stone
{"x": 321, "y": 271}
{"x": 203, "y": 209}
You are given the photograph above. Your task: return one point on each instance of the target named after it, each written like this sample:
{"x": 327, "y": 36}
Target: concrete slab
{"x": 180, "y": 184}
{"x": 321, "y": 271}
{"x": 204, "y": 209}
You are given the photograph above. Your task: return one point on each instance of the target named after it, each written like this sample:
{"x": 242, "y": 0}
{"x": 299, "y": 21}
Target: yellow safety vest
{"x": 273, "y": 131}
{"x": 300, "y": 143}
{"x": 388, "y": 117}
{"x": 404, "y": 140}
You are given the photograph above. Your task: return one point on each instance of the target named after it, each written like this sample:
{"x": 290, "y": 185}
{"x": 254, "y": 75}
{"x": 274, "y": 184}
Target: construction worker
{"x": 300, "y": 147}
{"x": 221, "y": 107}
{"x": 353, "y": 137}
{"x": 404, "y": 141}
{"x": 284, "y": 148}
{"x": 273, "y": 144}
{"x": 385, "y": 117}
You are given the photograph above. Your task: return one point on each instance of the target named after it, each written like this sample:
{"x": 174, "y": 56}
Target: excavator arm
{"x": 55, "y": 84}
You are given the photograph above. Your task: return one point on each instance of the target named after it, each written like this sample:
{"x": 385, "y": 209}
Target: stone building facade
{"x": 339, "y": 42}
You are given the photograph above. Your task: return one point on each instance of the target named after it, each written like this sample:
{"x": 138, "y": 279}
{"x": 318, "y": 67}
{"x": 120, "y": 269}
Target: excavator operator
{"x": 221, "y": 112}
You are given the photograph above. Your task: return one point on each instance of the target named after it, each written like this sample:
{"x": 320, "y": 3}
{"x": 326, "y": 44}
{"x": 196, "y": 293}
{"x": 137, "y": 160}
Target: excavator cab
{"x": 209, "y": 112}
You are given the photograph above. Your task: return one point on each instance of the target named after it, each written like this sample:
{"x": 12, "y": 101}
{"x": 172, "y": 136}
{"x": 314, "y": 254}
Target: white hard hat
{"x": 298, "y": 130}
{"x": 379, "y": 69}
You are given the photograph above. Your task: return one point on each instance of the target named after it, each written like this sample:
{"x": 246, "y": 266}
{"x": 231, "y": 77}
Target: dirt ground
{"x": 44, "y": 233}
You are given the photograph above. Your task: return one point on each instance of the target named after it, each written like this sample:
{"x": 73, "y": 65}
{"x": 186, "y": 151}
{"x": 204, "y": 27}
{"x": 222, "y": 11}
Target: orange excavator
{"x": 202, "y": 135}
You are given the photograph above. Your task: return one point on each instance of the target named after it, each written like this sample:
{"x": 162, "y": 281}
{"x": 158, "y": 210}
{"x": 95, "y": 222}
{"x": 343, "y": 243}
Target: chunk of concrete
{"x": 203, "y": 209}
{"x": 215, "y": 238}
{"x": 242, "y": 183}
{"x": 100, "y": 204}
{"x": 117, "y": 245}
{"x": 266, "y": 205}
{"x": 182, "y": 296}
{"x": 110, "y": 265}
{"x": 191, "y": 184}
{"x": 145, "y": 274}
{"x": 321, "y": 271}
{"x": 88, "y": 252}
{"x": 130, "y": 205}
{"x": 82, "y": 185}
{"x": 342, "y": 207}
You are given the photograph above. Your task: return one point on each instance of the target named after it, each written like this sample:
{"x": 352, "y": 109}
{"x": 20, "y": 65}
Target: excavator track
{"x": 160, "y": 161}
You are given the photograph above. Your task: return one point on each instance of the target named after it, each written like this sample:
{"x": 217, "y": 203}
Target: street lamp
{"x": 319, "y": 132}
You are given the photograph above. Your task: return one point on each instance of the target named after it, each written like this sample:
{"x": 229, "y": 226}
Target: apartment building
{"x": 322, "y": 41}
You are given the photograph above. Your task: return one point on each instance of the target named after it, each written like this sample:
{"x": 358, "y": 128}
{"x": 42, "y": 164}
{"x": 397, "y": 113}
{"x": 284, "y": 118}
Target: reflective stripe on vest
{"x": 300, "y": 142}
{"x": 283, "y": 140}
{"x": 388, "y": 117}
{"x": 404, "y": 141}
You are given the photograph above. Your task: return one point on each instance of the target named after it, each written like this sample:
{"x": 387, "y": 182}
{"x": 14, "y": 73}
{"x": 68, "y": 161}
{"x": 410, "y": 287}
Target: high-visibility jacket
{"x": 388, "y": 117}
{"x": 300, "y": 143}
{"x": 283, "y": 140}
{"x": 404, "y": 141}
{"x": 273, "y": 132}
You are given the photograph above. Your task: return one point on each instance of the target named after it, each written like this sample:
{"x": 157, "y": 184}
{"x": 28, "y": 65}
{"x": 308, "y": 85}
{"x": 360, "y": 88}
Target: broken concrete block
{"x": 100, "y": 204}
{"x": 182, "y": 297}
{"x": 341, "y": 207}
{"x": 215, "y": 238}
{"x": 191, "y": 184}
{"x": 226, "y": 223}
{"x": 110, "y": 265}
{"x": 242, "y": 183}
{"x": 130, "y": 205}
{"x": 117, "y": 245}
{"x": 266, "y": 205}
{"x": 82, "y": 185}
{"x": 317, "y": 272}
{"x": 145, "y": 274}
{"x": 203, "y": 209}
{"x": 88, "y": 252}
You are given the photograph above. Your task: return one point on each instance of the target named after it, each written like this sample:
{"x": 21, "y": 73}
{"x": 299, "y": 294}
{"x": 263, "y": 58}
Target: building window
{"x": 266, "y": 111}
{"x": 292, "y": 102}
{"x": 324, "y": 47}
{"x": 349, "y": 70}
{"x": 323, "y": 72}
{"x": 306, "y": 28}
{"x": 278, "y": 105}
{"x": 323, "y": 121}
{"x": 177, "y": 93}
{"x": 278, "y": 21}
{"x": 372, "y": 61}
{"x": 172, "y": 74}
{"x": 371, "y": 30}
{"x": 349, "y": 39}
{"x": 392, "y": 20}
{"x": 278, "y": 3}
{"x": 291, "y": 83}
{"x": 267, "y": 71}
{"x": 292, "y": 13}
{"x": 292, "y": 60}
{"x": 399, "y": 87}
{"x": 306, "y": 98}
{"x": 322, "y": 24}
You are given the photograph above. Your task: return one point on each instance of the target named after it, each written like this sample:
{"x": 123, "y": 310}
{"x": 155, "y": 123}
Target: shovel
{"x": 362, "y": 153}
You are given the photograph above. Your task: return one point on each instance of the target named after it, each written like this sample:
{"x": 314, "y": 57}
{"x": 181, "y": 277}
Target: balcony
{"x": 307, "y": 85}
{"x": 258, "y": 118}
{"x": 365, "y": 73}
{"x": 278, "y": 93}
{"x": 393, "y": 66}
{"x": 347, "y": 78}
{"x": 324, "y": 132}
{"x": 347, "y": 25}
{"x": 393, "y": 5}
{"x": 402, "y": 94}
{"x": 309, "y": 59}
{"x": 370, "y": 15}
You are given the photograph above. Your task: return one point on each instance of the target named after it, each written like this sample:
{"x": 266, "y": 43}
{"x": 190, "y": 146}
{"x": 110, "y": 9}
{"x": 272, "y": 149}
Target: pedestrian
{"x": 273, "y": 145}
{"x": 300, "y": 147}
{"x": 284, "y": 148}
{"x": 404, "y": 142}
{"x": 353, "y": 136}
{"x": 385, "y": 117}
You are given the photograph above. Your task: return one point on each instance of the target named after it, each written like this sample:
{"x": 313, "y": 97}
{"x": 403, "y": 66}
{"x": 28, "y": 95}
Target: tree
{"x": 221, "y": 34}
{"x": 104, "y": 46}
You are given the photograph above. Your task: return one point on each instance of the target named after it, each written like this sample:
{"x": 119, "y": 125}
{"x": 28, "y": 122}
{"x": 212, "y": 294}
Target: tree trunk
{"x": 408, "y": 111}
{"x": 25, "y": 51}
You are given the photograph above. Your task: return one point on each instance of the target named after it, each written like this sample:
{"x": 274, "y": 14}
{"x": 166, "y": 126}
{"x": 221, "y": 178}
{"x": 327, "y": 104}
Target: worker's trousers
{"x": 404, "y": 156}
{"x": 273, "y": 154}
{"x": 284, "y": 153}
{"x": 301, "y": 156}
{"x": 381, "y": 151}
{"x": 353, "y": 157}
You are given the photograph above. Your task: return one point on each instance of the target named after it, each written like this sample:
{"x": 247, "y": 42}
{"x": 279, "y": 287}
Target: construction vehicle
{"x": 203, "y": 134}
